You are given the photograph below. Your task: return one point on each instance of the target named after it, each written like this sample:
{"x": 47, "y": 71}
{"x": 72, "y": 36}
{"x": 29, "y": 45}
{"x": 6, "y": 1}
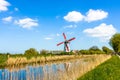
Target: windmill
{"x": 66, "y": 43}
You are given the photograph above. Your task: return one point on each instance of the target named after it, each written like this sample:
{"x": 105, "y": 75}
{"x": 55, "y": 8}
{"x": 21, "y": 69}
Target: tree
{"x": 43, "y": 52}
{"x": 31, "y": 52}
{"x": 115, "y": 42}
{"x": 94, "y": 48}
{"x": 107, "y": 50}
{"x": 84, "y": 51}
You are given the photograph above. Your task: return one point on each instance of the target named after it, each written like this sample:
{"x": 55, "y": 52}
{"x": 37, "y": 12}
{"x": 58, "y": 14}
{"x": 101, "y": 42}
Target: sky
{"x": 39, "y": 24}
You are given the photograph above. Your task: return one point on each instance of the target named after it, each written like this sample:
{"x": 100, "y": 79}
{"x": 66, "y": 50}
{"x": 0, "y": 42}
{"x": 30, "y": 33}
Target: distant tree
{"x": 107, "y": 50}
{"x": 43, "y": 52}
{"x": 94, "y": 48}
{"x": 31, "y": 52}
{"x": 115, "y": 42}
{"x": 84, "y": 52}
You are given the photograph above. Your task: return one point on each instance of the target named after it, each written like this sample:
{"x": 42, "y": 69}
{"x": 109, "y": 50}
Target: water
{"x": 56, "y": 71}
{"x": 36, "y": 72}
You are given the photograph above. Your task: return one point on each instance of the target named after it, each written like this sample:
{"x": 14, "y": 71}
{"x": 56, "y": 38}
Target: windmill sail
{"x": 66, "y": 43}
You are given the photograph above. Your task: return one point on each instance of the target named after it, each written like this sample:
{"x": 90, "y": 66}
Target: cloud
{"x": 7, "y": 19}
{"x": 70, "y": 26}
{"x": 48, "y": 38}
{"x": 104, "y": 32}
{"x": 91, "y": 15}
{"x": 27, "y": 23}
{"x": 3, "y": 5}
{"x": 94, "y": 15}
{"x": 57, "y": 34}
{"x": 52, "y": 36}
{"x": 74, "y": 16}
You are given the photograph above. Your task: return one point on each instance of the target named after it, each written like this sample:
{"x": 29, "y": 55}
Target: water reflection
{"x": 69, "y": 70}
{"x": 37, "y": 72}
{"x": 46, "y": 72}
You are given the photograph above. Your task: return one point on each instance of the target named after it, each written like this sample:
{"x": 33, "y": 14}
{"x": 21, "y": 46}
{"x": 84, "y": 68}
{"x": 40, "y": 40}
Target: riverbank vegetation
{"x": 108, "y": 70}
{"x": 32, "y": 55}
{"x": 89, "y": 59}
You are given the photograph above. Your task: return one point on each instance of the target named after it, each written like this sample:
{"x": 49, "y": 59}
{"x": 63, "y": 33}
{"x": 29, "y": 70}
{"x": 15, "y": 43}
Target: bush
{"x": 94, "y": 48}
{"x": 31, "y": 52}
{"x": 91, "y": 51}
{"x": 43, "y": 52}
{"x": 84, "y": 52}
{"x": 66, "y": 53}
{"x": 107, "y": 50}
{"x": 3, "y": 59}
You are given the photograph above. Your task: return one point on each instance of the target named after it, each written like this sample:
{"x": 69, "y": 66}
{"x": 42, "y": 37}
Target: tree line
{"x": 114, "y": 43}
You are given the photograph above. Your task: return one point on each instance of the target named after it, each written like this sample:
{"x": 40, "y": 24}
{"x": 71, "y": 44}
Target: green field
{"x": 109, "y": 70}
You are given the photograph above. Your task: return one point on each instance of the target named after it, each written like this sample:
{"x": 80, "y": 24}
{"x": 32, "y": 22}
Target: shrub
{"x": 107, "y": 50}
{"x": 31, "y": 52}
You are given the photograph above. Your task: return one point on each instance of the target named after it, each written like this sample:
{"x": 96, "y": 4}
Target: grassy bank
{"x": 44, "y": 59}
{"x": 74, "y": 65}
{"x": 16, "y": 59}
{"x": 109, "y": 70}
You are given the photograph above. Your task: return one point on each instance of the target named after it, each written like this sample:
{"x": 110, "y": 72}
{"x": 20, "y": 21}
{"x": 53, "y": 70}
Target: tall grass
{"x": 38, "y": 59}
{"x": 109, "y": 70}
{"x": 75, "y": 68}
{"x": 85, "y": 65}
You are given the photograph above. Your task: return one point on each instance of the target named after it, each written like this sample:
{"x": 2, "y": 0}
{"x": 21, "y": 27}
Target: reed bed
{"x": 40, "y": 59}
{"x": 87, "y": 64}
{"x": 76, "y": 69}
{"x": 74, "y": 66}
{"x": 109, "y": 70}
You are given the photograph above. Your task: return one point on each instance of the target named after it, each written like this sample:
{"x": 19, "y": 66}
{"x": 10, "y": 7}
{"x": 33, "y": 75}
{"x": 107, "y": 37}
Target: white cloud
{"x": 57, "y": 34}
{"x": 94, "y": 15}
{"x": 52, "y": 36}
{"x": 70, "y": 26}
{"x": 3, "y": 5}
{"x": 7, "y": 19}
{"x": 27, "y": 23}
{"x": 103, "y": 32}
{"x": 74, "y": 16}
{"x": 48, "y": 38}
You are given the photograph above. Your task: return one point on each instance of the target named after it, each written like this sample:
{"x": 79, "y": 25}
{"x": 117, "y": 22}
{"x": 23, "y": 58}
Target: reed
{"x": 73, "y": 66}
{"x": 109, "y": 70}
{"x": 39, "y": 59}
{"x": 74, "y": 70}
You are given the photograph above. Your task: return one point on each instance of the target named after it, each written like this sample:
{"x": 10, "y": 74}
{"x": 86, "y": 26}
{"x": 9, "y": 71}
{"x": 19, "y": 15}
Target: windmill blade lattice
{"x": 66, "y": 43}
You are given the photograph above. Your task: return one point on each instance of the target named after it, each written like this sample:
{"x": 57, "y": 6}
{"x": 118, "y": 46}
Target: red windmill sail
{"x": 66, "y": 43}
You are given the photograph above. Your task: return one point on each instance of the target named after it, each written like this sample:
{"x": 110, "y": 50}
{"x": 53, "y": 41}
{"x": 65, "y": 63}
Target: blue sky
{"x": 39, "y": 24}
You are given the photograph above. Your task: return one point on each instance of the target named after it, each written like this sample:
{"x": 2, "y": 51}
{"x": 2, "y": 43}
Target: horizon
{"x": 40, "y": 24}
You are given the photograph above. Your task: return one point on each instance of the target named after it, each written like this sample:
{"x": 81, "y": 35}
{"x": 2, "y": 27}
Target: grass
{"x": 109, "y": 70}
{"x": 39, "y": 59}
{"x": 76, "y": 68}
{"x": 74, "y": 65}
{"x": 3, "y": 59}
